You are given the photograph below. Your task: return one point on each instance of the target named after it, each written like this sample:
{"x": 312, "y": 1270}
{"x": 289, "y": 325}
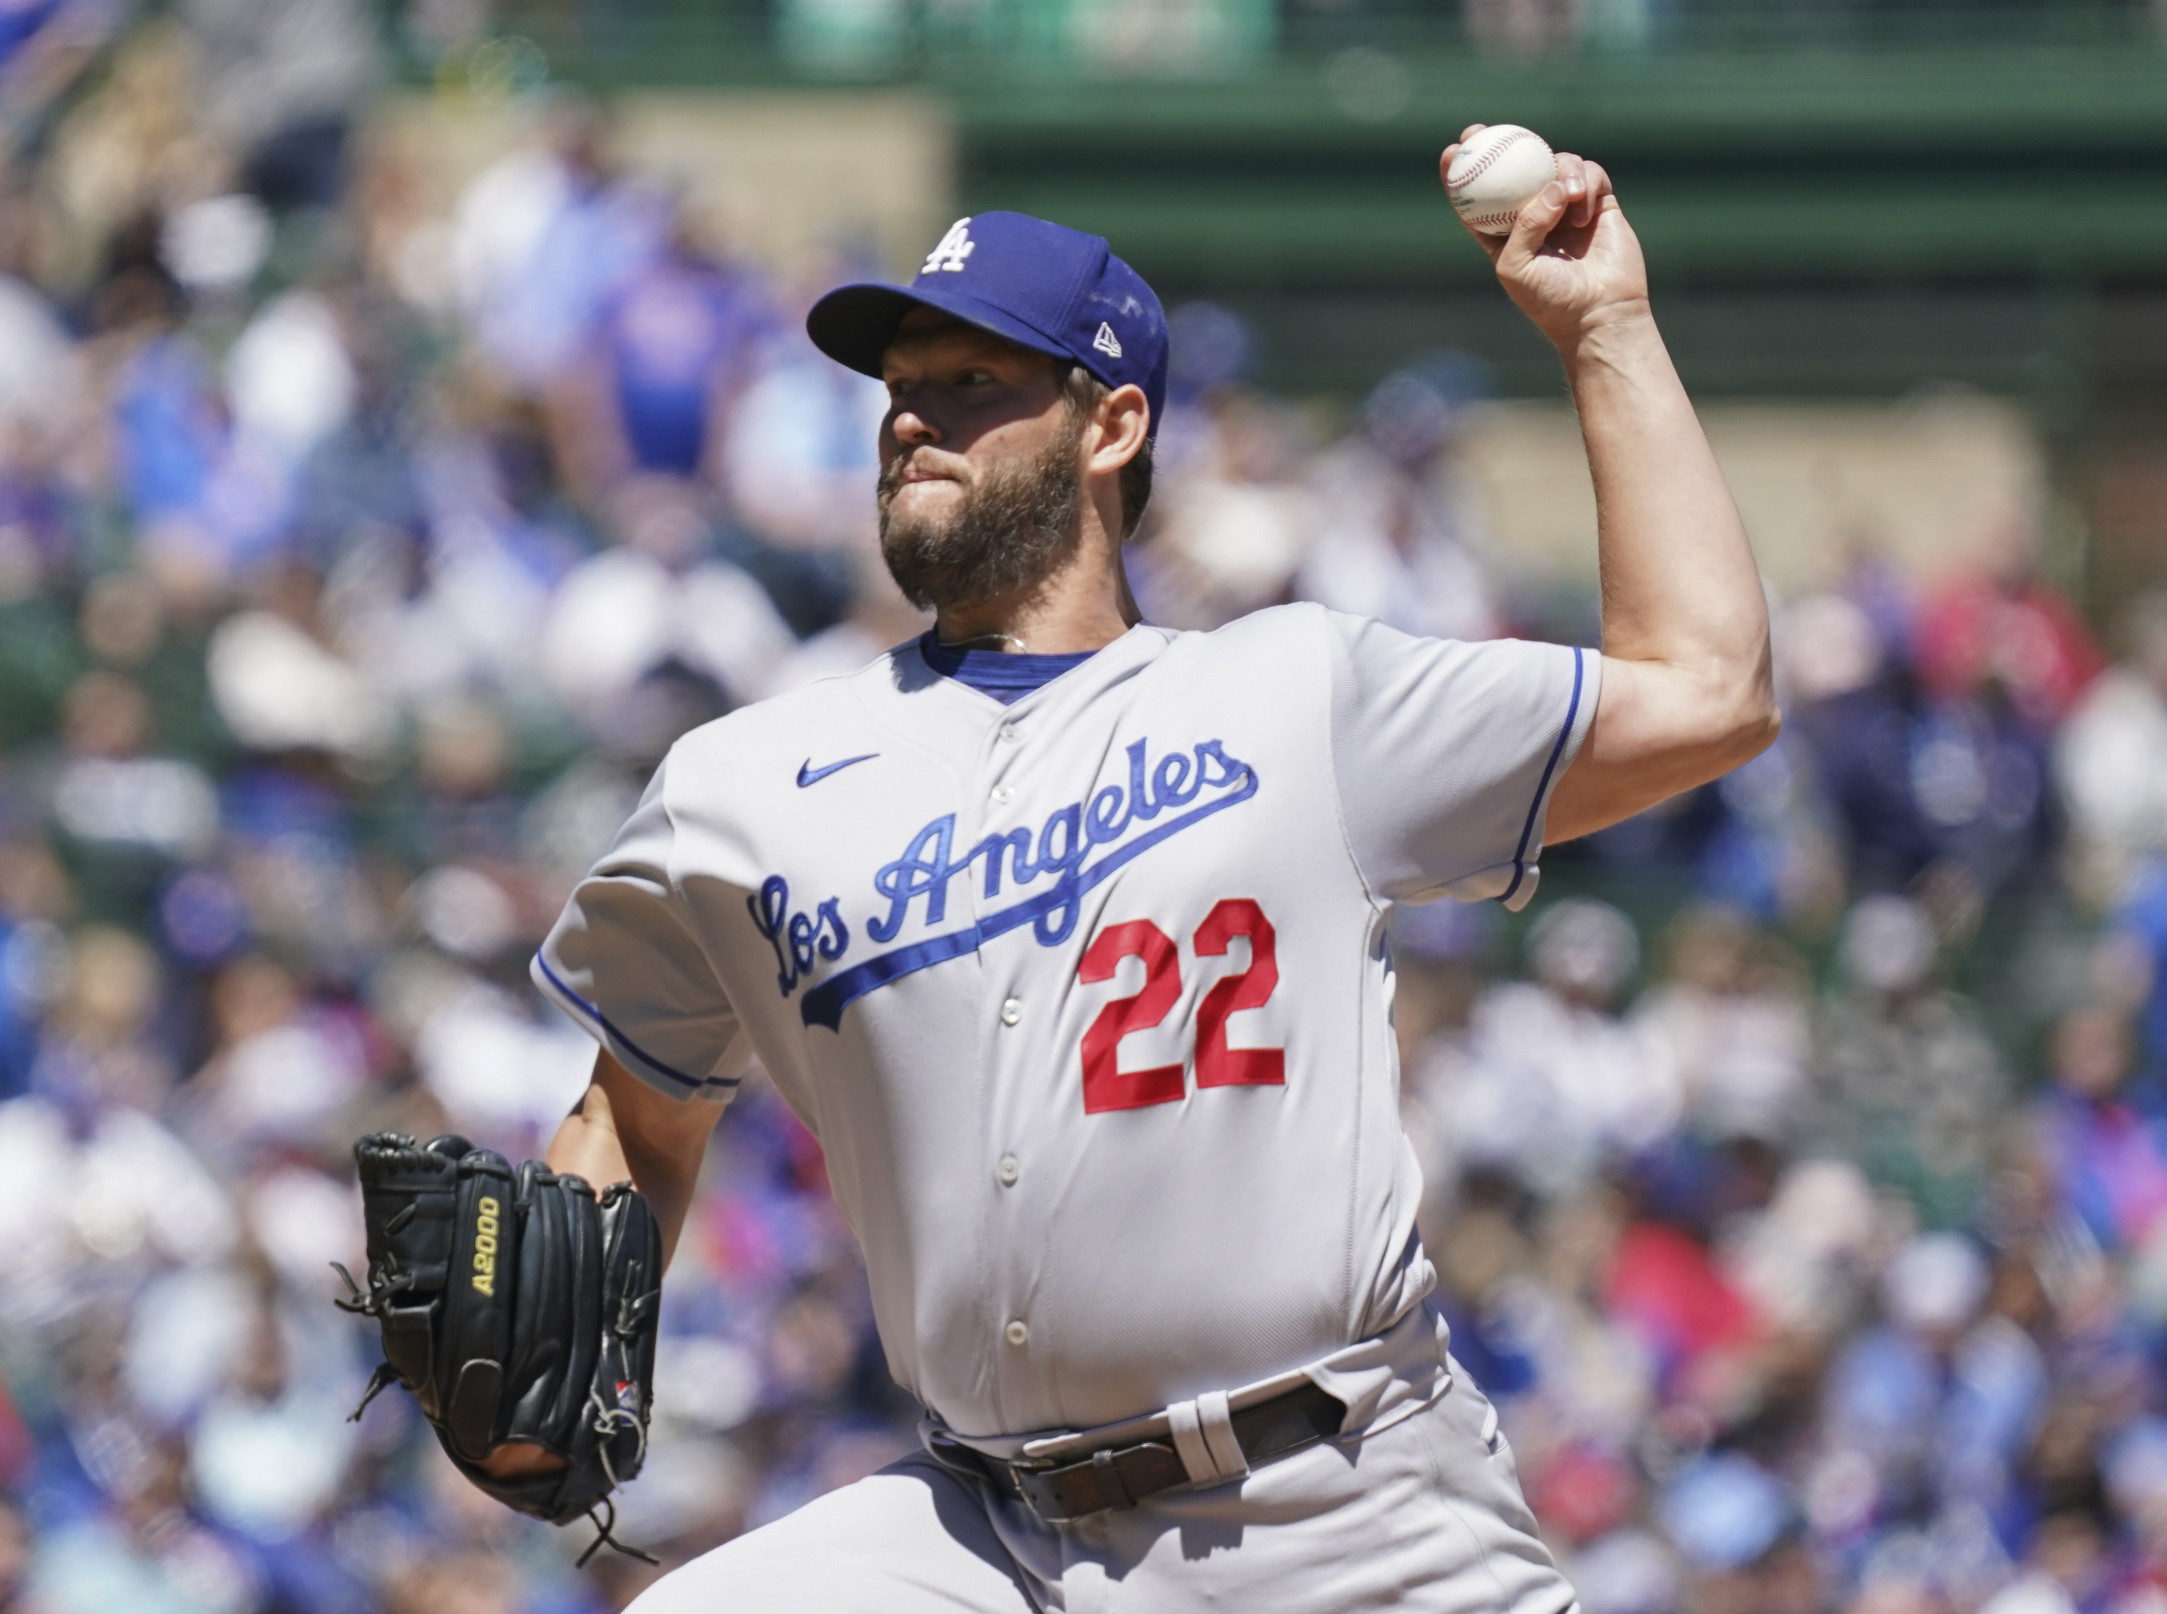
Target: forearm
{"x": 1686, "y": 690}
{"x": 624, "y": 1130}
{"x": 1679, "y": 585}
{"x": 1687, "y": 693}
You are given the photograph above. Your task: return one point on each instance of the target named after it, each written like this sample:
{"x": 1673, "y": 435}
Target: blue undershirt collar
{"x": 1006, "y": 677}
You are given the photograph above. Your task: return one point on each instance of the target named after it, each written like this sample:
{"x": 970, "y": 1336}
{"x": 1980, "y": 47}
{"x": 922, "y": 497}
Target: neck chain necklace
{"x": 996, "y": 639}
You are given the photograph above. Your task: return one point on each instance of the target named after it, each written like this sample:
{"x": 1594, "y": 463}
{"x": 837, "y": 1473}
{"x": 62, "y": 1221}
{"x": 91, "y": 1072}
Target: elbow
{"x": 1725, "y": 741}
{"x": 1734, "y": 716}
{"x": 1756, "y": 730}
{"x": 1753, "y": 721}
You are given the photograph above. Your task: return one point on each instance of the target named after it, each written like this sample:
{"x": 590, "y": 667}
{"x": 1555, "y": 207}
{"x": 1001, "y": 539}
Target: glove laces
{"x": 603, "y": 1528}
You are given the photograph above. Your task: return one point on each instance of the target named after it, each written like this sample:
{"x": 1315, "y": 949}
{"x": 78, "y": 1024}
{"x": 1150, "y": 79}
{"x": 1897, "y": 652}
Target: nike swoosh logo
{"x": 810, "y": 775}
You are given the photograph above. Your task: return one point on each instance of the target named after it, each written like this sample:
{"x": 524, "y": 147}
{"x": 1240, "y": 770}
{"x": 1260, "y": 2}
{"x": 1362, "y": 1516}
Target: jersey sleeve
{"x": 624, "y": 962}
{"x": 1446, "y": 753}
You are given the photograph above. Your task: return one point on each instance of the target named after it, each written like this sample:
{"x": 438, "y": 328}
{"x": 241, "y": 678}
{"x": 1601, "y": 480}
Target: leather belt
{"x": 1122, "y": 1476}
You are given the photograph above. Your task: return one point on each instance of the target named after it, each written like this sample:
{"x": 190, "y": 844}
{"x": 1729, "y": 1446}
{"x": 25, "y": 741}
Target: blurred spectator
{"x": 798, "y": 452}
{"x": 1907, "y": 1084}
{"x": 2111, "y": 761}
{"x": 110, "y": 797}
{"x": 281, "y": 81}
{"x": 1732, "y": 1021}
{"x": 655, "y": 600}
{"x": 1520, "y": 27}
{"x": 2004, "y": 625}
{"x": 96, "y": 1191}
{"x": 2108, "y": 1158}
{"x": 673, "y": 346}
{"x": 1230, "y": 537}
{"x": 282, "y": 1072}
{"x": 1552, "y": 1085}
{"x": 2139, "y": 943}
{"x": 1942, "y": 779}
{"x": 1857, "y": 709}
{"x": 542, "y": 240}
{"x": 279, "y": 686}
{"x": 1210, "y": 349}
{"x": 1398, "y": 533}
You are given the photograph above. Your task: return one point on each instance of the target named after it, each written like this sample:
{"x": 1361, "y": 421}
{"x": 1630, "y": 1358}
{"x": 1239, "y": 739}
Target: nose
{"x": 911, "y": 429}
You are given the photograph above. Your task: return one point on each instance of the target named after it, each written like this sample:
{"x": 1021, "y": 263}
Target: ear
{"x": 1123, "y": 423}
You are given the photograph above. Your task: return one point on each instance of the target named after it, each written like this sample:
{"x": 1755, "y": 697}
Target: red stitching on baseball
{"x": 1483, "y": 162}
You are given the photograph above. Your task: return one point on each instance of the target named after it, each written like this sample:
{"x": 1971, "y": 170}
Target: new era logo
{"x": 954, "y": 248}
{"x": 1106, "y": 342}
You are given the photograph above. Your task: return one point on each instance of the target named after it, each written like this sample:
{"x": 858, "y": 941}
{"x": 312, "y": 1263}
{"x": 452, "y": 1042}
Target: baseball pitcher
{"x": 1065, "y": 934}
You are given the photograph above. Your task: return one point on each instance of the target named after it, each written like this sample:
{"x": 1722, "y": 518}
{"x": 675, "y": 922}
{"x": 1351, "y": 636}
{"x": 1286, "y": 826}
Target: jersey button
{"x": 1003, "y": 795}
{"x": 1016, "y": 1333}
{"x": 1008, "y": 734}
{"x": 1011, "y": 1011}
{"x": 1008, "y": 1171}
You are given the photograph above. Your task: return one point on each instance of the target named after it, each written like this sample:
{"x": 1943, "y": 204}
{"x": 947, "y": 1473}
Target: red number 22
{"x": 1106, "y": 1086}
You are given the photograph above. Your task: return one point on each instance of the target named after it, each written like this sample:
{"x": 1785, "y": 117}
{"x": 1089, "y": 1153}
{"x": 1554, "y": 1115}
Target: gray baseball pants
{"x": 1420, "y": 1510}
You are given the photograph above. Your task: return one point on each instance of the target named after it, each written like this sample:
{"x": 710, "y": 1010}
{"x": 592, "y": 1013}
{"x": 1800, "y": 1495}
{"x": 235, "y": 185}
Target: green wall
{"x": 1816, "y": 221}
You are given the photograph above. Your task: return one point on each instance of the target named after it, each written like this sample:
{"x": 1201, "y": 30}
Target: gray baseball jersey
{"x": 1086, "y": 997}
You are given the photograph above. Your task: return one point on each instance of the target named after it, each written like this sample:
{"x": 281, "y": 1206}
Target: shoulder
{"x": 1359, "y": 651}
{"x": 1272, "y": 631}
{"x": 815, "y": 714}
{"x": 1284, "y": 647}
{"x": 1302, "y": 640}
{"x": 1306, "y": 622}
{"x": 1278, "y": 623}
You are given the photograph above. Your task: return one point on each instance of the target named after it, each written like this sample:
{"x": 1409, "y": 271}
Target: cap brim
{"x": 855, "y": 325}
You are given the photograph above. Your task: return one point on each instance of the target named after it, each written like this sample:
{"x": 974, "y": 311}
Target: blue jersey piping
{"x": 645, "y": 1058}
{"x": 1519, "y": 853}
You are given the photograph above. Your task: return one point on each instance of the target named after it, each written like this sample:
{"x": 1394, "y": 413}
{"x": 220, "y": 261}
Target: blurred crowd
{"x": 1798, "y": 1174}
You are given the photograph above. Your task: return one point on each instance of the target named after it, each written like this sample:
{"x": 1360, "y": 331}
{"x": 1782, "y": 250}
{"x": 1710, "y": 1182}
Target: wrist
{"x": 1613, "y": 334}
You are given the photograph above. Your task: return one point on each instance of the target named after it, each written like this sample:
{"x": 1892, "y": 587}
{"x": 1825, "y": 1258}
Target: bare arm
{"x": 625, "y": 1129}
{"x": 1686, "y": 692}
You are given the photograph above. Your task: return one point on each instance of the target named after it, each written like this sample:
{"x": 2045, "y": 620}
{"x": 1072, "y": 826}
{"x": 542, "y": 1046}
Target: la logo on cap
{"x": 954, "y": 248}
{"x": 1106, "y": 342}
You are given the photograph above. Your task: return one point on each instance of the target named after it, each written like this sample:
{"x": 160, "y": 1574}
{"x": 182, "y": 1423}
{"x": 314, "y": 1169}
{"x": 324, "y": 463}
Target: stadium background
{"x": 404, "y": 431}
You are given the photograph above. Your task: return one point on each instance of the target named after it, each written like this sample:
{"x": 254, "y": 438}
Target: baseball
{"x": 1496, "y": 173}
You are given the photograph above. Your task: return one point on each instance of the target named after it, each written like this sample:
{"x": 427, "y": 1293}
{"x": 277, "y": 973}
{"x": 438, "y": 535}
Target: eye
{"x": 973, "y": 378}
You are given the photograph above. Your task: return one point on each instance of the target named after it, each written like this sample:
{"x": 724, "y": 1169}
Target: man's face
{"x": 980, "y": 453}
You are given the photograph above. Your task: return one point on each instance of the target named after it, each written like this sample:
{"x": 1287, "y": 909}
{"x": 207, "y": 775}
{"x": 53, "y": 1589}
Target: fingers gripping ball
{"x": 516, "y": 1306}
{"x": 1497, "y": 172}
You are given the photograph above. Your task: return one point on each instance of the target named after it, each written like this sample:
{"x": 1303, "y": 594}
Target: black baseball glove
{"x": 516, "y": 1306}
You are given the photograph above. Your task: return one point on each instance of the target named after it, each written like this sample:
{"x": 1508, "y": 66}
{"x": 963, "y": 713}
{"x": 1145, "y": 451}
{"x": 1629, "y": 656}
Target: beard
{"x": 1013, "y": 528}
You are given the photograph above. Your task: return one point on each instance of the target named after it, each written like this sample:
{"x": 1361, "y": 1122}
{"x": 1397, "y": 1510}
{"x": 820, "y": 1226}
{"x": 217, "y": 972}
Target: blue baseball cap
{"x": 1044, "y": 287}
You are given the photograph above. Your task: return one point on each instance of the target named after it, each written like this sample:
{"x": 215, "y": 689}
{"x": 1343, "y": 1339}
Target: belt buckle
{"x": 1022, "y": 1473}
{"x": 1032, "y": 1479}
{"x": 1010, "y": 1474}
{"x": 1111, "y": 1490}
